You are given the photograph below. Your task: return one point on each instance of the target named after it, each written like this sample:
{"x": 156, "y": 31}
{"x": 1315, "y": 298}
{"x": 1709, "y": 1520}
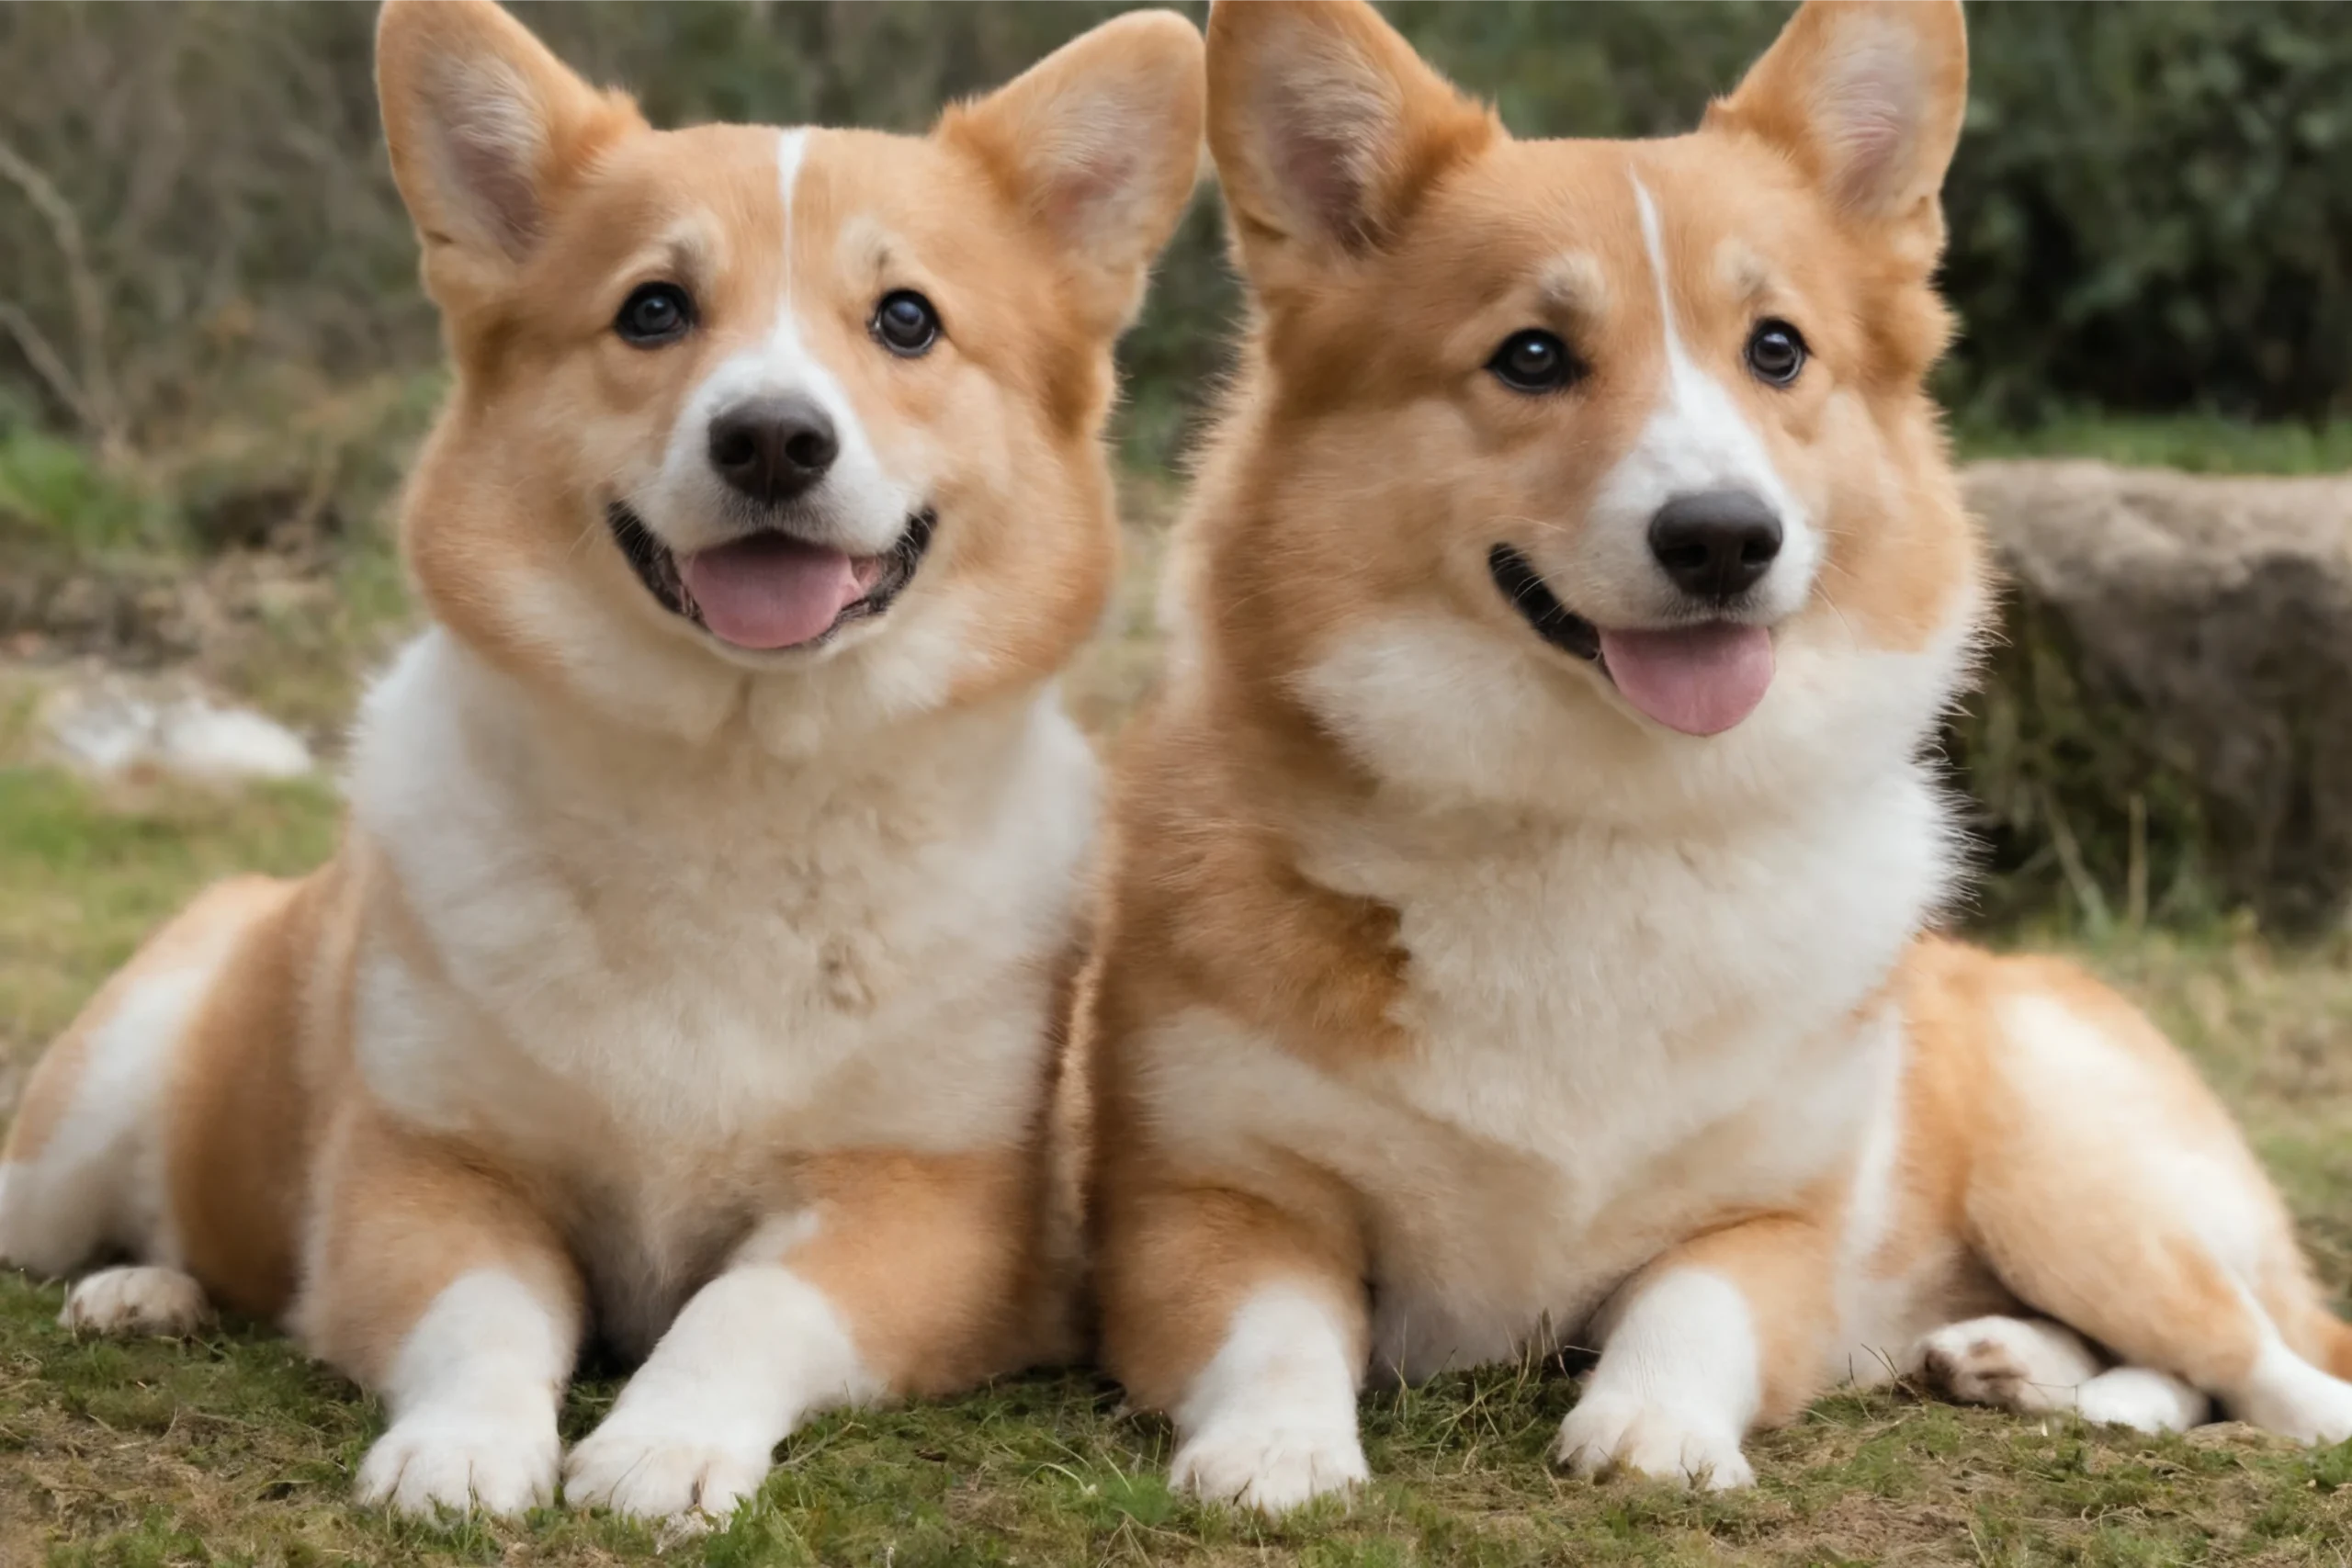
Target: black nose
{"x": 1717, "y": 544}
{"x": 773, "y": 448}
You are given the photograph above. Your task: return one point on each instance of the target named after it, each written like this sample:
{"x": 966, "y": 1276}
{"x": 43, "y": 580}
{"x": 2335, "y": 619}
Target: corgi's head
{"x": 803, "y": 419}
{"x": 1588, "y": 472}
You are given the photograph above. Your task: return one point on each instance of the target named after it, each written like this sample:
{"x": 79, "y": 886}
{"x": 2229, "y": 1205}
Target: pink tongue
{"x": 769, "y": 591}
{"x": 1699, "y": 680}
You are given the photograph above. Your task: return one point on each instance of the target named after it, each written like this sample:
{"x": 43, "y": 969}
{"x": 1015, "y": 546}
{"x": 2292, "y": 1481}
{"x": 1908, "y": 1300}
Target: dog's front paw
{"x": 1271, "y": 1465}
{"x": 463, "y": 1460}
{"x": 1609, "y": 1431}
{"x": 658, "y": 1470}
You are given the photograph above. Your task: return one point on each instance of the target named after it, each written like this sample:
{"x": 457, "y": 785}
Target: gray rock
{"x": 2169, "y": 716}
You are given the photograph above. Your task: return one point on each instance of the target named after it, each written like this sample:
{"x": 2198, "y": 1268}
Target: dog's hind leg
{"x": 2032, "y": 1365}
{"x": 82, "y": 1176}
{"x": 2111, "y": 1191}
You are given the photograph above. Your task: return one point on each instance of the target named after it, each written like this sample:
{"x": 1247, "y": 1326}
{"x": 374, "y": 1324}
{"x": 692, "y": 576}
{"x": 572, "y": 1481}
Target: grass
{"x": 2198, "y": 444}
{"x": 233, "y": 1448}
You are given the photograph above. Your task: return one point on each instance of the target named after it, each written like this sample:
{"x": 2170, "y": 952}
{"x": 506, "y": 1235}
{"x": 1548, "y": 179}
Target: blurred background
{"x": 215, "y": 360}
{"x": 2150, "y": 213}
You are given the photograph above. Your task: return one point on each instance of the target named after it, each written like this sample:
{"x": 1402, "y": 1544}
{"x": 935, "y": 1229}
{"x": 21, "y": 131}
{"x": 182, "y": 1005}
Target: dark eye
{"x": 655, "y": 313}
{"x": 1776, "y": 352}
{"x": 905, "y": 323}
{"x": 1535, "y": 361}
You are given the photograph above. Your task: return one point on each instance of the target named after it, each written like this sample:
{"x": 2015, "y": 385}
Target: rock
{"x": 2168, "y": 718}
{"x": 111, "y": 725}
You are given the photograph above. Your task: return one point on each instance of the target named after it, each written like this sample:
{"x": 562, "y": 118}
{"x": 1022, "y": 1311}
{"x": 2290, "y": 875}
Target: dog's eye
{"x": 905, "y": 323}
{"x": 654, "y": 313}
{"x": 1535, "y": 361}
{"x": 1776, "y": 352}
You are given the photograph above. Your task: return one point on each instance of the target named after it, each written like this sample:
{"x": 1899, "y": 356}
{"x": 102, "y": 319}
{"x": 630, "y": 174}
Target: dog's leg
{"x": 84, "y": 1171}
{"x": 901, "y": 1275}
{"x": 2023, "y": 1364}
{"x": 1248, "y": 1323}
{"x": 2032, "y": 1365}
{"x": 1719, "y": 1335}
{"x": 437, "y": 1283}
{"x": 2113, "y": 1194}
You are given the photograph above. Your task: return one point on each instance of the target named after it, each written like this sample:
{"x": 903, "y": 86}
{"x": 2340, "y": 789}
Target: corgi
{"x": 689, "y": 973}
{"x": 1518, "y": 937}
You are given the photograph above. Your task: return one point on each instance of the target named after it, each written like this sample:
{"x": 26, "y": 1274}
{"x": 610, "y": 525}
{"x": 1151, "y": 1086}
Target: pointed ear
{"x": 485, "y": 126}
{"x": 1099, "y": 144}
{"x": 1327, "y": 127}
{"x": 1866, "y": 97}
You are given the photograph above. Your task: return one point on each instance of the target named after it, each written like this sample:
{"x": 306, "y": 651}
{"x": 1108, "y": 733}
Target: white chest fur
{"x": 704, "y": 948}
{"x": 1615, "y": 1039}
{"x": 1633, "y": 1035}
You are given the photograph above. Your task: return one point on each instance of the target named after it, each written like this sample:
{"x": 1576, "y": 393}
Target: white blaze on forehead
{"x": 791, "y": 145}
{"x": 1697, "y": 439}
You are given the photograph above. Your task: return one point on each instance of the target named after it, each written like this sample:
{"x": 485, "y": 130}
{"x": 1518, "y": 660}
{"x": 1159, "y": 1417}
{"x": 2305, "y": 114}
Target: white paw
{"x": 463, "y": 1460}
{"x": 2143, "y": 1399}
{"x": 2008, "y": 1363}
{"x": 1610, "y": 1431}
{"x": 2288, "y": 1395}
{"x": 656, "y": 1469}
{"x": 1272, "y": 1466}
{"x": 138, "y": 1300}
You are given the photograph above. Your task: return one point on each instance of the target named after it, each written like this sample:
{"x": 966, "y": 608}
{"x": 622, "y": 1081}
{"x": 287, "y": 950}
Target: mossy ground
{"x": 231, "y": 1449}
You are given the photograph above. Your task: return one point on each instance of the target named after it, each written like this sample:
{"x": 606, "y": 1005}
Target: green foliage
{"x": 57, "y": 490}
{"x": 2196, "y": 444}
{"x": 2069, "y": 813}
{"x": 2151, "y": 208}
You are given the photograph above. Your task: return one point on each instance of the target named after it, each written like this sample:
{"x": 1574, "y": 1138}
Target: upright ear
{"x": 485, "y": 126}
{"x": 1866, "y": 97}
{"x": 1326, "y": 129}
{"x": 1099, "y": 144}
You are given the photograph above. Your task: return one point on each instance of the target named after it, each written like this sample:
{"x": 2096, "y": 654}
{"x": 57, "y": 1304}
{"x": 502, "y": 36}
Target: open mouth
{"x": 1699, "y": 679}
{"x": 1554, "y": 622}
{"x": 770, "y": 590}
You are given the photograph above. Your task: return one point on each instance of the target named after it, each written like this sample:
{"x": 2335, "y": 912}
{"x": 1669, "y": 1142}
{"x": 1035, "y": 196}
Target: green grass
{"x": 2198, "y": 444}
{"x": 60, "y": 493}
{"x": 233, "y": 1448}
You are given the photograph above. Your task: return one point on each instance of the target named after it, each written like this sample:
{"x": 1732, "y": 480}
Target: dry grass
{"x": 231, "y": 1449}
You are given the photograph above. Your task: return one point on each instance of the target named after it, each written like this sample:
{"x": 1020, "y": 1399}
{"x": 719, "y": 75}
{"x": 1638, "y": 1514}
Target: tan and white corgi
{"x": 1516, "y": 937}
{"x": 689, "y": 974}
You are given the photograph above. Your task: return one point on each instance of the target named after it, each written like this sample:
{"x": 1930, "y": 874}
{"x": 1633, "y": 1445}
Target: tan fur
{"x": 968, "y": 1306}
{"x": 353, "y": 1131}
{"x": 1179, "y": 1254}
{"x": 1783, "y": 1263}
{"x": 244, "y": 1092}
{"x": 2054, "y": 1215}
{"x": 406, "y": 1214}
{"x": 221, "y": 908}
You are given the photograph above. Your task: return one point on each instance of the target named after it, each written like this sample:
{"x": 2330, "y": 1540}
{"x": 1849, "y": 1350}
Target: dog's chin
{"x": 879, "y": 582}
